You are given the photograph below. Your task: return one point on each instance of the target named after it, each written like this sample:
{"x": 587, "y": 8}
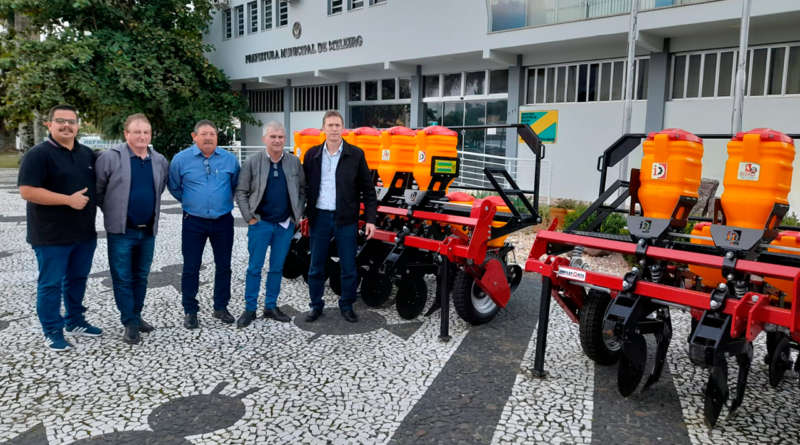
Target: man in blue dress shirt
{"x": 203, "y": 178}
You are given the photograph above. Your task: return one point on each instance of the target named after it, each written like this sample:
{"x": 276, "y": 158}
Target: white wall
{"x": 584, "y": 132}
{"x": 431, "y": 32}
{"x": 253, "y": 132}
{"x": 306, "y": 119}
{"x": 714, "y": 116}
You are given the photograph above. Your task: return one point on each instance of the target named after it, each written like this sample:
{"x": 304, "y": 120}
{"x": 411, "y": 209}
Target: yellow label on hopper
{"x": 445, "y": 167}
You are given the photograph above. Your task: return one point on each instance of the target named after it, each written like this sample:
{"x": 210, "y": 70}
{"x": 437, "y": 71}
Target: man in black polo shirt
{"x": 57, "y": 179}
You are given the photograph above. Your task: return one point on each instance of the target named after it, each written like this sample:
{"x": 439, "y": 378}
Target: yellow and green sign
{"x": 544, "y": 123}
{"x": 446, "y": 167}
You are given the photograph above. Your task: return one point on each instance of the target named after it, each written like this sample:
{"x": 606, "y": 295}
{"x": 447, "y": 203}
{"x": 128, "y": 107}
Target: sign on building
{"x": 544, "y": 123}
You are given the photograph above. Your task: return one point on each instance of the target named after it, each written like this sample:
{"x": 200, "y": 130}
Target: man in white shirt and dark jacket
{"x": 338, "y": 182}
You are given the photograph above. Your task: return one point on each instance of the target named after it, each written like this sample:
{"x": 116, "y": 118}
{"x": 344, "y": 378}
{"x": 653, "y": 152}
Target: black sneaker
{"x": 224, "y": 316}
{"x": 246, "y": 318}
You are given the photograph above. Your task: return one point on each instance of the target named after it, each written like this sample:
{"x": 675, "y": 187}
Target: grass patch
{"x": 9, "y": 160}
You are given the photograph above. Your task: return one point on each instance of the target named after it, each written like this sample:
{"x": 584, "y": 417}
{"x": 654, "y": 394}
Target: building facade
{"x": 472, "y": 62}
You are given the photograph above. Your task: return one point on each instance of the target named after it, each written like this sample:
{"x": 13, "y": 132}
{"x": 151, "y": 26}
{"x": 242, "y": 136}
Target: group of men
{"x": 64, "y": 183}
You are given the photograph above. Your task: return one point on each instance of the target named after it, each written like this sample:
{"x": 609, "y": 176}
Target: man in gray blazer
{"x": 130, "y": 180}
{"x": 271, "y": 196}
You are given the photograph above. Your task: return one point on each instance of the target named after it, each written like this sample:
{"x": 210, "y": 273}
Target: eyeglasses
{"x": 62, "y": 121}
{"x": 208, "y": 168}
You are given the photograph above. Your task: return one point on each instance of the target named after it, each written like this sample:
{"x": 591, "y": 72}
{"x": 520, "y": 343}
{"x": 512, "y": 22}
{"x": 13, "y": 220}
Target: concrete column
{"x": 288, "y": 105}
{"x": 344, "y": 103}
{"x": 243, "y": 132}
{"x": 417, "y": 107}
{"x": 657, "y": 89}
{"x": 516, "y": 90}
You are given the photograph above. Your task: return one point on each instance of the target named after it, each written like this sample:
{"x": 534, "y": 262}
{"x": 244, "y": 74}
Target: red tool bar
{"x": 683, "y": 297}
{"x": 457, "y": 251}
{"x": 659, "y": 253}
{"x": 438, "y": 217}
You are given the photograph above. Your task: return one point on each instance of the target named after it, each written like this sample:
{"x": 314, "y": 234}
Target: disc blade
{"x": 662, "y": 346}
{"x": 716, "y": 393}
{"x": 411, "y": 298}
{"x": 631, "y": 364}
{"x": 780, "y": 362}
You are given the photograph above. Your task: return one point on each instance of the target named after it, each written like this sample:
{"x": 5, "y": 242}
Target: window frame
{"x": 748, "y": 88}
{"x": 239, "y": 14}
{"x": 253, "y": 14}
{"x": 282, "y": 5}
{"x": 598, "y": 82}
{"x": 351, "y": 7}
{"x": 227, "y": 24}
{"x": 380, "y": 100}
{"x": 331, "y": 7}
{"x": 462, "y": 97}
{"x": 263, "y": 15}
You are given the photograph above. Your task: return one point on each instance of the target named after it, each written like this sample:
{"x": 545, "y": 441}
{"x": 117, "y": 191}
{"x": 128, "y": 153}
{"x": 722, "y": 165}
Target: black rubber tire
{"x": 335, "y": 282}
{"x": 591, "y": 329}
{"x": 293, "y": 267}
{"x": 462, "y": 300}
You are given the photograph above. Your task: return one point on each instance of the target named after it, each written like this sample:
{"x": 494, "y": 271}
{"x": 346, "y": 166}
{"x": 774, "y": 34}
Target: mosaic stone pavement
{"x": 382, "y": 380}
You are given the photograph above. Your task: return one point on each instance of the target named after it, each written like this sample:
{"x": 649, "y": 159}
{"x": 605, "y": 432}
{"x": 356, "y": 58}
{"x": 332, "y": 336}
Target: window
{"x": 265, "y": 101}
{"x": 316, "y": 98}
{"x": 356, "y": 4}
{"x": 252, "y": 9}
{"x": 431, "y": 86}
{"x": 227, "y": 23}
{"x": 371, "y": 90}
{"x": 355, "y": 91}
{"x": 771, "y": 71}
{"x": 793, "y": 73}
{"x": 267, "y": 6}
{"x": 283, "y": 14}
{"x": 451, "y": 85}
{"x": 405, "y": 88}
{"x": 376, "y": 2}
{"x": 498, "y": 82}
{"x": 585, "y": 82}
{"x": 380, "y": 116}
{"x": 239, "y": 20}
{"x": 334, "y": 7}
{"x": 475, "y": 84}
{"x": 388, "y": 89}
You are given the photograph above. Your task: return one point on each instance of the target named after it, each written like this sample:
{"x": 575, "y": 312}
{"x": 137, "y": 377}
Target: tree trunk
{"x": 26, "y": 137}
{"x": 7, "y": 137}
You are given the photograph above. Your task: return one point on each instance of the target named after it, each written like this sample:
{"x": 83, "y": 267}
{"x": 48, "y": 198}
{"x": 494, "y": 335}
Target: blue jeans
{"x": 129, "y": 258}
{"x": 323, "y": 229}
{"x": 196, "y": 231}
{"x": 261, "y": 235}
{"x": 62, "y": 271}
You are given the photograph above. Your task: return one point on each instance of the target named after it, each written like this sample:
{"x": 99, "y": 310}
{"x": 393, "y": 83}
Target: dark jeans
{"x": 196, "y": 231}
{"x": 323, "y": 229}
{"x": 260, "y": 236}
{"x": 62, "y": 271}
{"x": 129, "y": 258}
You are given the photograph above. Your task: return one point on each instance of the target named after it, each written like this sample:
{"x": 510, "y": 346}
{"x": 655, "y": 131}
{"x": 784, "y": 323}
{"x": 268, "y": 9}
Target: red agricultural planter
{"x": 423, "y": 229}
{"x": 738, "y": 279}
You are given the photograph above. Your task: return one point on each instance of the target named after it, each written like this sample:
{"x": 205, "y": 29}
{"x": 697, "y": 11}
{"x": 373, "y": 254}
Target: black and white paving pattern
{"x": 383, "y": 380}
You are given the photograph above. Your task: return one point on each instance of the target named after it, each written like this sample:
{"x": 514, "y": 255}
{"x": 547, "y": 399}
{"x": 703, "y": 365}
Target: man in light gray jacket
{"x": 130, "y": 180}
{"x": 271, "y": 196}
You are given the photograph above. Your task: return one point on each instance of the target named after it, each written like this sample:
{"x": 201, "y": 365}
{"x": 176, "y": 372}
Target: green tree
{"x": 112, "y": 58}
